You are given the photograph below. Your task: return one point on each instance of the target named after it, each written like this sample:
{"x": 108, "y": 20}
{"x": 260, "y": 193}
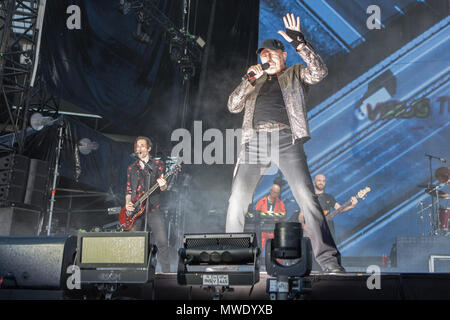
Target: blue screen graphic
{"x": 375, "y": 130}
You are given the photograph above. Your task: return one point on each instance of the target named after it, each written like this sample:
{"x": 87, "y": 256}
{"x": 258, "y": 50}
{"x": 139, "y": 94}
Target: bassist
{"x": 143, "y": 173}
{"x": 328, "y": 202}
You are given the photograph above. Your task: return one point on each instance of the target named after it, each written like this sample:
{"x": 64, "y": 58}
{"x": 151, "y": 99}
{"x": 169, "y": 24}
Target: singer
{"x": 141, "y": 175}
{"x": 274, "y": 101}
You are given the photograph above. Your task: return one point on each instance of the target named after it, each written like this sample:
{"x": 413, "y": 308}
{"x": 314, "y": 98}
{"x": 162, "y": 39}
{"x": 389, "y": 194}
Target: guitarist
{"x": 145, "y": 172}
{"x": 327, "y": 202}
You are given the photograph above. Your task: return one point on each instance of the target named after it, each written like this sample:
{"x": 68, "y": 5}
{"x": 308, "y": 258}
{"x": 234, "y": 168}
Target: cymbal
{"x": 441, "y": 194}
{"x": 442, "y": 174}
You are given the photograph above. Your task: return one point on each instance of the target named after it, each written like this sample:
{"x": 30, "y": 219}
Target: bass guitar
{"x": 128, "y": 218}
{"x": 360, "y": 195}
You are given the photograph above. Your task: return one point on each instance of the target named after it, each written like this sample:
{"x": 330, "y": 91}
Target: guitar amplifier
{"x": 115, "y": 257}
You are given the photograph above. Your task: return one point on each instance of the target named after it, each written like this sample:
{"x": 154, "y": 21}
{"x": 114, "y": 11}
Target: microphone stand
{"x": 149, "y": 175}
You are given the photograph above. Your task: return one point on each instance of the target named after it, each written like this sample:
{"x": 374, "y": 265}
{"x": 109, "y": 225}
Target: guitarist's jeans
{"x": 291, "y": 160}
{"x": 156, "y": 225}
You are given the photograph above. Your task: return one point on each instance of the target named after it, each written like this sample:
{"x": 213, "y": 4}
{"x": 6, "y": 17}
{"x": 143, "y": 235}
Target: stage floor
{"x": 349, "y": 286}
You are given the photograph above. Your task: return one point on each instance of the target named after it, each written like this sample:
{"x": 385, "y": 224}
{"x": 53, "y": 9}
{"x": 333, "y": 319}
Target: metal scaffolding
{"x": 22, "y": 88}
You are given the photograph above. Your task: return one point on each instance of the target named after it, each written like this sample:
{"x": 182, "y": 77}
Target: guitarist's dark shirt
{"x": 137, "y": 180}
{"x": 327, "y": 202}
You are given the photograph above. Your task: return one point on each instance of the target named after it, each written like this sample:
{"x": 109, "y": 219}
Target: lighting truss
{"x": 22, "y": 88}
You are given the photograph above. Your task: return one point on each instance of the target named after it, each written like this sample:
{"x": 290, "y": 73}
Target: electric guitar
{"x": 360, "y": 195}
{"x": 128, "y": 218}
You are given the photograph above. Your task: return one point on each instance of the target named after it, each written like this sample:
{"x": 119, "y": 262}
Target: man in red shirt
{"x": 270, "y": 203}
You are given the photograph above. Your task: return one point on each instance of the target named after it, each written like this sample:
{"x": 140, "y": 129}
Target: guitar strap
{"x": 136, "y": 175}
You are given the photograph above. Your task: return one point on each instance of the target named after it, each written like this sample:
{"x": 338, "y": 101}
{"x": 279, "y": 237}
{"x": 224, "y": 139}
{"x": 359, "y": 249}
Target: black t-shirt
{"x": 327, "y": 201}
{"x": 270, "y": 105}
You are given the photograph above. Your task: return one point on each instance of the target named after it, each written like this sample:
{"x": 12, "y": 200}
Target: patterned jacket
{"x": 294, "y": 82}
{"x": 137, "y": 179}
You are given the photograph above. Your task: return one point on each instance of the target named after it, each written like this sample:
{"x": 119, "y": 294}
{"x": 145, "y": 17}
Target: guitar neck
{"x": 360, "y": 195}
{"x": 148, "y": 193}
{"x": 336, "y": 212}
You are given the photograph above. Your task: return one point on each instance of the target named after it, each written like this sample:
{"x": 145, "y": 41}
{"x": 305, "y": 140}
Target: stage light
{"x": 108, "y": 260}
{"x": 140, "y": 33}
{"x": 200, "y": 41}
{"x": 295, "y": 251}
{"x": 38, "y": 122}
{"x": 219, "y": 260}
{"x": 124, "y": 6}
{"x": 86, "y": 146}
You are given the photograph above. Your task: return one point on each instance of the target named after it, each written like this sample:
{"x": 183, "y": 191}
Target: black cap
{"x": 273, "y": 44}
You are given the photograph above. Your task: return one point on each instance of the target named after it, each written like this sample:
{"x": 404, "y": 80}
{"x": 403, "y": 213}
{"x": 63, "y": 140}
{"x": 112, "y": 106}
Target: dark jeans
{"x": 292, "y": 163}
{"x": 156, "y": 225}
{"x": 332, "y": 230}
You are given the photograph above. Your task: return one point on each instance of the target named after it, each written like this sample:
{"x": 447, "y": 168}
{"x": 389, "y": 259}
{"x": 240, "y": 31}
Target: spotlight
{"x": 38, "y": 122}
{"x": 140, "y": 33}
{"x": 295, "y": 253}
{"x": 177, "y": 50}
{"x": 188, "y": 70}
{"x": 180, "y": 53}
{"x": 200, "y": 41}
{"x": 125, "y": 6}
{"x": 218, "y": 260}
{"x": 106, "y": 261}
{"x": 86, "y": 146}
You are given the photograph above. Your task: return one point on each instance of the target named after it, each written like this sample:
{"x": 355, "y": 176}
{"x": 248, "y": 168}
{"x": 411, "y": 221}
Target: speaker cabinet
{"x": 36, "y": 262}
{"x": 36, "y": 190}
{"x": 23, "y": 180}
{"x": 13, "y": 178}
{"x": 14, "y": 162}
{"x": 19, "y": 221}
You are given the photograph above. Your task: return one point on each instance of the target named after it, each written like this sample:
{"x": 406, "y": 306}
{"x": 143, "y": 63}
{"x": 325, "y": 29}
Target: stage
{"x": 349, "y": 286}
{"x": 119, "y": 116}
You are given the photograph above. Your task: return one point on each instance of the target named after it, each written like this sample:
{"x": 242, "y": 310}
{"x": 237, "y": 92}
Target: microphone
{"x": 251, "y": 74}
{"x": 437, "y": 158}
{"x": 135, "y": 154}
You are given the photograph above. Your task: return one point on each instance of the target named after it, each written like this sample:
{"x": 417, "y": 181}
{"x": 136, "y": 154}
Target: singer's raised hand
{"x": 292, "y": 24}
{"x": 257, "y": 70}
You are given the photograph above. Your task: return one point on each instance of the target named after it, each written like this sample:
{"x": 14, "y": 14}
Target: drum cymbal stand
{"x": 421, "y": 213}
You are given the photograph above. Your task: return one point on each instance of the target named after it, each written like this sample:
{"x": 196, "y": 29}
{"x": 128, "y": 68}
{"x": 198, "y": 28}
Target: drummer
{"x": 442, "y": 175}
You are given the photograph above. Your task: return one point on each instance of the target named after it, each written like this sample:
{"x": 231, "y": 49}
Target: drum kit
{"x": 438, "y": 210}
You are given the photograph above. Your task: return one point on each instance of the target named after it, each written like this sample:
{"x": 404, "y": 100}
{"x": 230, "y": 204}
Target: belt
{"x": 271, "y": 126}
